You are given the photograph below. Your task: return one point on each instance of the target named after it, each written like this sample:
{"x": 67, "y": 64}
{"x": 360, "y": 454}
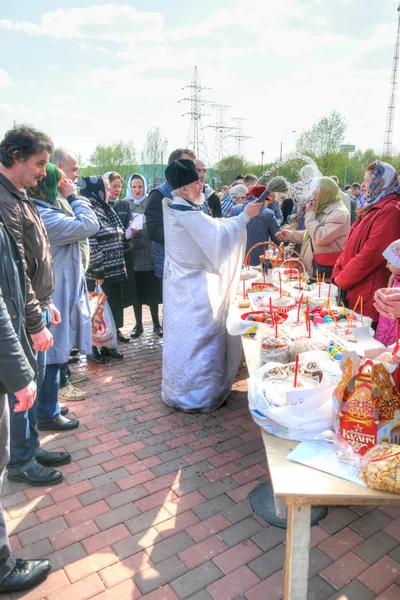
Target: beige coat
{"x": 328, "y": 232}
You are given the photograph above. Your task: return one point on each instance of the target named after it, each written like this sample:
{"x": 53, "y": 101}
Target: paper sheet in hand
{"x": 322, "y": 456}
{"x": 138, "y": 222}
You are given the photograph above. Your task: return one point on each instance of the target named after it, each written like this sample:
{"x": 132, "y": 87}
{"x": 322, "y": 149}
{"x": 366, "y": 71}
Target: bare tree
{"x": 153, "y": 153}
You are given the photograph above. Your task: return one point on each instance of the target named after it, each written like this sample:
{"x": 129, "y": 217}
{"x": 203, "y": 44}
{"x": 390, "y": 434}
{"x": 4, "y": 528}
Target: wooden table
{"x": 297, "y": 488}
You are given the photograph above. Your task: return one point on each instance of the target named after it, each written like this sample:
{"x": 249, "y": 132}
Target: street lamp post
{"x": 281, "y": 154}
{"x": 346, "y": 148}
{"x": 262, "y": 158}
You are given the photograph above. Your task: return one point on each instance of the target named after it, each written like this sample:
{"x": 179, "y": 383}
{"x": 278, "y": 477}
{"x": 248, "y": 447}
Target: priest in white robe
{"x": 203, "y": 260}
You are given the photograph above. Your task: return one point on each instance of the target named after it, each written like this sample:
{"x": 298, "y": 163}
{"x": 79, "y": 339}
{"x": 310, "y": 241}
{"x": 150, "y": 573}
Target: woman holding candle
{"x": 327, "y": 224}
{"x": 361, "y": 269}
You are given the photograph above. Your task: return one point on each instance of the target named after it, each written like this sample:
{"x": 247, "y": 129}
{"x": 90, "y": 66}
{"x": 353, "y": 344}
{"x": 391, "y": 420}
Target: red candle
{"x": 299, "y": 309}
{"x": 296, "y": 371}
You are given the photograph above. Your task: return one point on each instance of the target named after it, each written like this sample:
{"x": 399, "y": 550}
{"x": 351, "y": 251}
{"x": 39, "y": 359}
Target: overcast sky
{"x": 90, "y": 72}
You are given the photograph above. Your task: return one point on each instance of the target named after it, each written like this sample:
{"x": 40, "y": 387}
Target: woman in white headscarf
{"x": 142, "y": 286}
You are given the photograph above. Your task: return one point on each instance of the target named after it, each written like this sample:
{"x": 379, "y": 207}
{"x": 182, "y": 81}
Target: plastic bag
{"x": 106, "y": 333}
{"x": 306, "y": 415}
{"x": 97, "y": 302}
{"x": 380, "y": 468}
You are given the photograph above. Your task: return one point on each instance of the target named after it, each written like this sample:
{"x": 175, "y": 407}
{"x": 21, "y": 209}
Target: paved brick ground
{"x": 155, "y": 505}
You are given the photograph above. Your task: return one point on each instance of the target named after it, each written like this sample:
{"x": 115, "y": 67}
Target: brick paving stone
{"x": 392, "y": 511}
{"x": 375, "y": 547}
{"x": 213, "y": 507}
{"x": 370, "y": 523}
{"x": 134, "y": 480}
{"x": 87, "y": 512}
{"x": 179, "y": 523}
{"x": 125, "y": 569}
{"x": 100, "y": 493}
{"x": 81, "y": 590}
{"x": 224, "y": 458}
{"x": 200, "y": 455}
{"x": 319, "y": 589}
{"x": 174, "y": 545}
{"x": 84, "y": 474}
{"x": 58, "y": 510}
{"x": 116, "y": 516}
{"x": 395, "y": 554}
{"x": 353, "y": 591}
{"x": 73, "y": 534}
{"x": 169, "y": 570}
{"x": 268, "y": 563}
{"x": 240, "y": 531}
{"x": 162, "y": 482}
{"x": 241, "y": 493}
{"x": 177, "y": 505}
{"x": 271, "y": 588}
{"x": 187, "y": 585}
{"x": 381, "y": 575}
{"x": 148, "y": 519}
{"x": 269, "y": 538}
{"x": 160, "y": 498}
{"x": 200, "y": 553}
{"x": 90, "y": 564}
{"x": 189, "y": 485}
{"x": 163, "y": 593}
{"x": 238, "y": 512}
{"x": 152, "y": 451}
{"x": 198, "y": 469}
{"x": 223, "y": 471}
{"x": 142, "y": 465}
{"x": 22, "y": 523}
{"x": 71, "y": 491}
{"x": 208, "y": 527}
{"x": 18, "y": 510}
{"x": 41, "y": 532}
{"x": 173, "y": 465}
{"x": 391, "y": 593}
{"x": 60, "y": 558}
{"x": 109, "y": 477}
{"x": 344, "y": 570}
{"x": 234, "y": 584}
{"x": 203, "y": 595}
{"x": 393, "y": 529}
{"x": 130, "y": 495}
{"x": 105, "y": 538}
{"x": 38, "y": 549}
{"x": 135, "y": 543}
{"x": 238, "y": 556}
{"x": 338, "y": 519}
{"x": 180, "y": 452}
{"x": 341, "y": 543}
{"x": 96, "y": 459}
{"x": 249, "y": 474}
{"x": 318, "y": 561}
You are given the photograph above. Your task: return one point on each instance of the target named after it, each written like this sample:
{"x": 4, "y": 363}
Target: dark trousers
{"x": 23, "y": 433}
{"x": 7, "y": 560}
{"x": 47, "y": 398}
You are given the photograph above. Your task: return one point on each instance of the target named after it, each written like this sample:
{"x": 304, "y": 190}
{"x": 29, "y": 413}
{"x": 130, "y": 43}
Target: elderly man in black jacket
{"x": 17, "y": 372}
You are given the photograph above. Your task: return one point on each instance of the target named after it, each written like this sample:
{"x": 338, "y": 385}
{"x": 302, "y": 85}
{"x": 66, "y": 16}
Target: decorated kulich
{"x": 244, "y": 303}
{"x": 365, "y": 407}
{"x": 275, "y": 350}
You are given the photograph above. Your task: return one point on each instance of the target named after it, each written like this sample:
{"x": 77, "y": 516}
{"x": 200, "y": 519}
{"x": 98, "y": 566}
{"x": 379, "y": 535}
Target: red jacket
{"x": 361, "y": 269}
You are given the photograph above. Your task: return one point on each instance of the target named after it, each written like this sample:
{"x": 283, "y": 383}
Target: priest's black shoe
{"x": 123, "y": 338}
{"x": 113, "y": 352}
{"x": 96, "y": 357}
{"x": 52, "y": 459}
{"x": 60, "y": 423}
{"x": 25, "y": 575}
{"x": 157, "y": 329}
{"x": 37, "y": 475}
{"x": 137, "y": 331}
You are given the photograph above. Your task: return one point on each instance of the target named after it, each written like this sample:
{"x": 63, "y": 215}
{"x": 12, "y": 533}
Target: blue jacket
{"x": 17, "y": 361}
{"x": 261, "y": 228}
{"x": 70, "y": 294}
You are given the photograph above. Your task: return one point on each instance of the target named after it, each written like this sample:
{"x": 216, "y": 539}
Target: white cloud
{"x": 64, "y": 100}
{"x": 116, "y": 22}
{"x": 5, "y": 79}
{"x": 17, "y": 111}
{"x": 103, "y": 50}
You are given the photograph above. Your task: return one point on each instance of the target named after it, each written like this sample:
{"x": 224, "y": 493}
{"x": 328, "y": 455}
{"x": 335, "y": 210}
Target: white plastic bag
{"x": 306, "y": 416}
{"x": 106, "y": 334}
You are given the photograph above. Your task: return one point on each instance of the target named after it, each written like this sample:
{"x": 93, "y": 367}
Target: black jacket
{"x": 17, "y": 361}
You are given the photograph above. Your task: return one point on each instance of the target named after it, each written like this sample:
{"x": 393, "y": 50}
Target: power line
{"x": 239, "y": 136}
{"x": 388, "y": 141}
{"x": 222, "y": 130}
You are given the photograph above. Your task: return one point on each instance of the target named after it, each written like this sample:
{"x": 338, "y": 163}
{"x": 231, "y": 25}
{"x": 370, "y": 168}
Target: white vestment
{"x": 203, "y": 260}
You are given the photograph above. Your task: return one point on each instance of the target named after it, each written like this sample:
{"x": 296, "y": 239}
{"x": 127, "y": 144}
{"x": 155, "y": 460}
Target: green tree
{"x": 119, "y": 157}
{"x": 322, "y": 141}
{"x": 228, "y": 168}
{"x": 153, "y": 153}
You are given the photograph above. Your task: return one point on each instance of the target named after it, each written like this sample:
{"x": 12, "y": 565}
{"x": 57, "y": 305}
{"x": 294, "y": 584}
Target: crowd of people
{"x": 182, "y": 245}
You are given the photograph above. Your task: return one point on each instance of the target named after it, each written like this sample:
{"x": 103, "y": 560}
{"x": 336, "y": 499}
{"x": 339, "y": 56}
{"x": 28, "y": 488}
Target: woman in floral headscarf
{"x": 361, "y": 268}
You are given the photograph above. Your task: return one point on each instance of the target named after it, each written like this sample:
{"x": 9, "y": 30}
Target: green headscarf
{"x": 47, "y": 188}
{"x": 329, "y": 193}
